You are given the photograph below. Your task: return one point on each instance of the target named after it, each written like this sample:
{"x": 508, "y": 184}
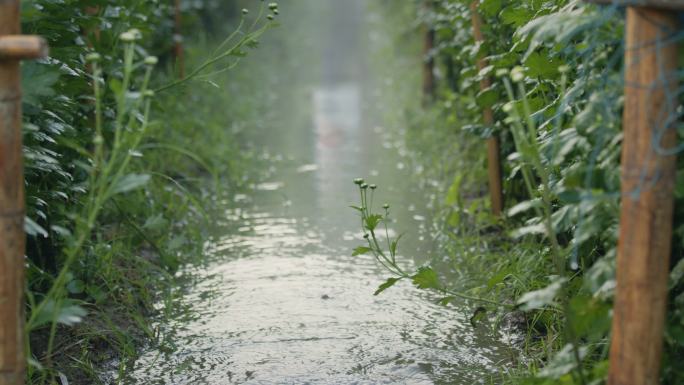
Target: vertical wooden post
{"x": 493, "y": 148}
{"x": 12, "y": 49}
{"x": 428, "y": 58}
{"x": 178, "y": 39}
{"x": 95, "y": 32}
{"x": 647, "y": 201}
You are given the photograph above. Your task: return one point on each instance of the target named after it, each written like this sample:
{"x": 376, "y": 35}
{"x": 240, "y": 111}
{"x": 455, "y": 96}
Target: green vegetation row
{"x": 549, "y": 264}
{"x": 123, "y": 161}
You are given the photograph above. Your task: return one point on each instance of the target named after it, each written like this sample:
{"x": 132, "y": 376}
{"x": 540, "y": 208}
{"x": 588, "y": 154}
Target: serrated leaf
{"x": 490, "y": 8}
{"x": 372, "y": 221}
{"x": 515, "y": 15}
{"x": 426, "y": 278}
{"x": 543, "y": 66}
{"x": 386, "y": 285}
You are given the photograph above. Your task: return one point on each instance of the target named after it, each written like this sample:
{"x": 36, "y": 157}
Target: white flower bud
{"x": 501, "y": 72}
{"x": 127, "y": 37}
{"x": 151, "y": 60}
{"x": 517, "y": 74}
{"x": 93, "y": 57}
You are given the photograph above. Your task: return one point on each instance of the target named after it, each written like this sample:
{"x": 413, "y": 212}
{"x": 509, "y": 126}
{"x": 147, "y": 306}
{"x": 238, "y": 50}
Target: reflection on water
{"x": 284, "y": 302}
{"x": 286, "y": 308}
{"x": 337, "y": 122}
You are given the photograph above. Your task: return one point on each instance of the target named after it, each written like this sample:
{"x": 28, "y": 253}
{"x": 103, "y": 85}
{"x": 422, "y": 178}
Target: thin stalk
{"x": 245, "y": 39}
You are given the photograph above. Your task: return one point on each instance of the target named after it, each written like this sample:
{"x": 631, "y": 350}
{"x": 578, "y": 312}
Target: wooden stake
{"x": 493, "y": 148}
{"x": 647, "y": 202}
{"x": 178, "y": 50}
{"x": 428, "y": 59}
{"x": 12, "y": 49}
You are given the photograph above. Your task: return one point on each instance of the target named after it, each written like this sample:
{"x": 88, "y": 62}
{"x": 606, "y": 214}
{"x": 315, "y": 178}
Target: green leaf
{"x": 677, "y": 274}
{"x": 426, "y": 278}
{"x": 541, "y": 298}
{"x": 570, "y": 196}
{"x": 524, "y": 206}
{"x": 76, "y": 286}
{"x": 589, "y": 317}
{"x": 516, "y": 15}
{"x": 453, "y": 195}
{"x": 62, "y": 231}
{"x": 357, "y": 208}
{"x": 115, "y": 86}
{"x": 487, "y": 98}
{"x": 393, "y": 245}
{"x": 563, "y": 362}
{"x": 386, "y": 285}
{"x": 361, "y": 250}
{"x": 537, "y": 228}
{"x": 490, "y": 8}
{"x": 67, "y": 312}
{"x": 33, "y": 229}
{"x": 372, "y": 221}
{"x": 497, "y": 279}
{"x": 176, "y": 242}
{"x": 541, "y": 66}
{"x": 37, "y": 81}
{"x": 129, "y": 182}
{"x": 156, "y": 222}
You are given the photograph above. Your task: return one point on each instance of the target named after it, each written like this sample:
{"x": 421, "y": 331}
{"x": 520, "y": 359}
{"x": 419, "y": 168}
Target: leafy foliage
{"x": 556, "y": 94}
{"x": 112, "y": 207}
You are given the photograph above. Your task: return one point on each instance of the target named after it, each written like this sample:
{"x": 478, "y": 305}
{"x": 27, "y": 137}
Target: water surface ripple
{"x": 282, "y": 301}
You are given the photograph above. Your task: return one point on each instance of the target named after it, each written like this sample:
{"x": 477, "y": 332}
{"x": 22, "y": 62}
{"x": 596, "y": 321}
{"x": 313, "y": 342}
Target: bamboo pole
{"x": 12, "y": 49}
{"x": 493, "y": 148}
{"x": 178, "y": 50}
{"x": 647, "y": 200}
{"x": 428, "y": 58}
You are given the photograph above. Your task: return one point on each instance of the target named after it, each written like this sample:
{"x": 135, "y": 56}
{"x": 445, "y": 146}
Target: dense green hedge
{"x": 556, "y": 70}
{"x": 114, "y": 199}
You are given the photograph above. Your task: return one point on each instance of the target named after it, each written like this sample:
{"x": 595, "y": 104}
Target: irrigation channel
{"x": 282, "y": 300}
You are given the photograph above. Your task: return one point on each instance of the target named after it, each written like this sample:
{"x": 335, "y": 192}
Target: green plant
{"x": 558, "y": 117}
{"x": 424, "y": 278}
{"x": 113, "y": 207}
{"x": 107, "y": 177}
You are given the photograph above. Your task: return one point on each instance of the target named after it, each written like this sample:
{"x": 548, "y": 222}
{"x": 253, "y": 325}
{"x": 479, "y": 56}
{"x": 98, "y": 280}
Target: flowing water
{"x": 282, "y": 301}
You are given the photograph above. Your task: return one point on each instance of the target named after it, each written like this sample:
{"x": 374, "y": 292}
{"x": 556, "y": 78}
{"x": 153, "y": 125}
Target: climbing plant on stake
{"x": 647, "y": 183}
{"x": 493, "y": 148}
{"x": 428, "y": 57}
{"x": 13, "y": 48}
